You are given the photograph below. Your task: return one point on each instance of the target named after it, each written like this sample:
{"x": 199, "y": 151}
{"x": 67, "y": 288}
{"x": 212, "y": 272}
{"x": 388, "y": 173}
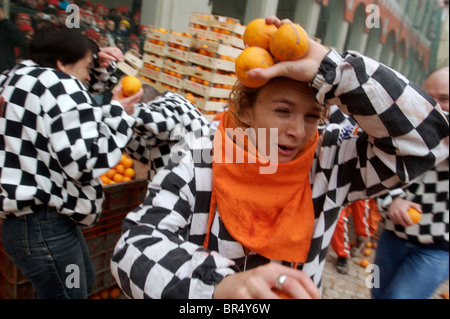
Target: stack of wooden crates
{"x": 198, "y": 64}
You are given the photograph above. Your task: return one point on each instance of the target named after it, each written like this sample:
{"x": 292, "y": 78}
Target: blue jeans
{"x": 408, "y": 271}
{"x": 50, "y": 249}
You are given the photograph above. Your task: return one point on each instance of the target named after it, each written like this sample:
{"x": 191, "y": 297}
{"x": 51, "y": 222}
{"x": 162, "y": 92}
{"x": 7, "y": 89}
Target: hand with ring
{"x": 270, "y": 281}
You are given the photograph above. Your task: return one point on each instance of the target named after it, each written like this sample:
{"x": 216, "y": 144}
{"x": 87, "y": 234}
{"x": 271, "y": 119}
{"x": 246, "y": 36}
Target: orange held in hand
{"x": 414, "y": 214}
{"x": 131, "y": 85}
{"x": 251, "y": 58}
{"x": 258, "y": 33}
{"x": 289, "y": 43}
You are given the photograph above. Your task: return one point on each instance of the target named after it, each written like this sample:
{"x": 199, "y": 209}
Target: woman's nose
{"x": 296, "y": 129}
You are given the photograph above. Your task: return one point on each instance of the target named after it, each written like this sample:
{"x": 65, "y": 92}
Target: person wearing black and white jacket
{"x": 413, "y": 259}
{"x": 179, "y": 242}
{"x": 55, "y": 142}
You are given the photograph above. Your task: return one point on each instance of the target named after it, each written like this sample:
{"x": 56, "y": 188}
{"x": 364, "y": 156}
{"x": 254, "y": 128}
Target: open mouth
{"x": 286, "y": 150}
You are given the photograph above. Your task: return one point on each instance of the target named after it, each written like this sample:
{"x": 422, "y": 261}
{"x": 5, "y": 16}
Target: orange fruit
{"x": 129, "y": 172}
{"x": 120, "y": 168}
{"x": 110, "y": 174}
{"x": 131, "y": 85}
{"x": 367, "y": 252}
{"x": 127, "y": 162}
{"x": 364, "y": 263}
{"x": 105, "y": 180}
{"x": 251, "y": 58}
{"x": 414, "y": 214}
{"x": 114, "y": 292}
{"x": 281, "y": 294}
{"x": 118, "y": 178}
{"x": 126, "y": 179}
{"x": 104, "y": 294}
{"x": 258, "y": 33}
{"x": 289, "y": 43}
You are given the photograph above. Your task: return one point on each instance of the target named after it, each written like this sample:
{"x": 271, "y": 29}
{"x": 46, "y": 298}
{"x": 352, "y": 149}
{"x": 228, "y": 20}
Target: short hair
{"x": 150, "y": 93}
{"x": 52, "y": 43}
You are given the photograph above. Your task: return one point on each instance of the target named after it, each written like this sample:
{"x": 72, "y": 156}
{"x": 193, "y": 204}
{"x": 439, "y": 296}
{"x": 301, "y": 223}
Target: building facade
{"x": 410, "y": 36}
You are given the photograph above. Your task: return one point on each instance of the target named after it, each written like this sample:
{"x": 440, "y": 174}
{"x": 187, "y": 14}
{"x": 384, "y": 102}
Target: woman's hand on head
{"x": 129, "y": 102}
{"x": 303, "y": 70}
{"x": 260, "y": 283}
{"x": 108, "y": 55}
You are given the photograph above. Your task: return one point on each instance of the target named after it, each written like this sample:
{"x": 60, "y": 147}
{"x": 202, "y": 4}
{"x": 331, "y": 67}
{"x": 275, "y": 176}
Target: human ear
{"x": 61, "y": 66}
{"x": 247, "y": 116}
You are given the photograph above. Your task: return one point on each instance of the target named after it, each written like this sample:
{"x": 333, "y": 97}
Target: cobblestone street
{"x": 353, "y": 285}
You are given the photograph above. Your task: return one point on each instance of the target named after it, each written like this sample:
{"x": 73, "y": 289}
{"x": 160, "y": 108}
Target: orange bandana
{"x": 270, "y": 214}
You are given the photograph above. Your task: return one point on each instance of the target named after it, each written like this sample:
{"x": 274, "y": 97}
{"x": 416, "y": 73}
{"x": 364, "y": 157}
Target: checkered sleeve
{"x": 162, "y": 123}
{"x": 86, "y": 140}
{"x": 152, "y": 259}
{"x": 102, "y": 79}
{"x": 406, "y": 130}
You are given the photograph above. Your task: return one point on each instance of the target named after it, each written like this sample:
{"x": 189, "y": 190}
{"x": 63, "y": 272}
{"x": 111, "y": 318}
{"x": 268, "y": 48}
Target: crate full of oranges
{"x": 123, "y": 172}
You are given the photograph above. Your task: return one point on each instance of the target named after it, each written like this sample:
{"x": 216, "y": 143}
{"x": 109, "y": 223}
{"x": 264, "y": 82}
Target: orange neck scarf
{"x": 270, "y": 214}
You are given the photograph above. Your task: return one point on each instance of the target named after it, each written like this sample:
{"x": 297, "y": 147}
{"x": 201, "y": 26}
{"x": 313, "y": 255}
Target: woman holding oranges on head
{"x": 215, "y": 227}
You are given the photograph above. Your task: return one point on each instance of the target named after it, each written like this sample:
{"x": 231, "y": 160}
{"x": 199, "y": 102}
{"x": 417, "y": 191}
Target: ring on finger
{"x": 280, "y": 281}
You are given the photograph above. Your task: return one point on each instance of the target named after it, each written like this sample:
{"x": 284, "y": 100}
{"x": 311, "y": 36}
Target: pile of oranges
{"x": 266, "y": 44}
{"x": 122, "y": 172}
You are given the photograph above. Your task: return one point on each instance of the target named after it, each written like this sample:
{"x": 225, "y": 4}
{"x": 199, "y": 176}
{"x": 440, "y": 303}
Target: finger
{"x": 276, "y": 70}
{"x": 294, "y": 290}
{"x": 286, "y": 21}
{"x": 301, "y": 285}
{"x": 273, "y": 20}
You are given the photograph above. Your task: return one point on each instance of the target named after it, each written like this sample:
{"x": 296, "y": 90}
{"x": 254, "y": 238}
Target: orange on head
{"x": 258, "y": 33}
{"x": 131, "y": 85}
{"x": 289, "y": 43}
{"x": 251, "y": 58}
{"x": 414, "y": 214}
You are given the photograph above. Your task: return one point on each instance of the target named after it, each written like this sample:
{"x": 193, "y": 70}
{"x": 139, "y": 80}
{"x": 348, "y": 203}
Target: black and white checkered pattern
{"x": 55, "y": 144}
{"x": 160, "y": 253}
{"x": 431, "y": 191}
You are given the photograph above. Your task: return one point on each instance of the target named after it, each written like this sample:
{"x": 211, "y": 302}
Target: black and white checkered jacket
{"x": 431, "y": 191}
{"x": 55, "y": 141}
{"x": 160, "y": 253}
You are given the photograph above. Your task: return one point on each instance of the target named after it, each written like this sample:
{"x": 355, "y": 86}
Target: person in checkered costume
{"x": 55, "y": 143}
{"x": 196, "y": 234}
{"x": 413, "y": 258}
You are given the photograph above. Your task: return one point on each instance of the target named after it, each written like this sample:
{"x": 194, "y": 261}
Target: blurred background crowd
{"x": 116, "y": 26}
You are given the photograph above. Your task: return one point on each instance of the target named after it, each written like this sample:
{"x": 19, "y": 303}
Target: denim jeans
{"x": 50, "y": 249}
{"x": 408, "y": 271}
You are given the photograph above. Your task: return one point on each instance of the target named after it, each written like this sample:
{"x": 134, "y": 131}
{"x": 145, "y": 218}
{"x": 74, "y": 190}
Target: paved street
{"x": 352, "y": 285}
